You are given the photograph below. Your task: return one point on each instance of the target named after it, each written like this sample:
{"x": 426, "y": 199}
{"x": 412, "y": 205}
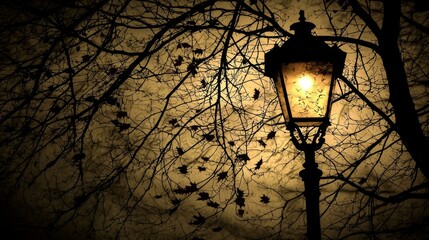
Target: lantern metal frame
{"x": 303, "y": 47}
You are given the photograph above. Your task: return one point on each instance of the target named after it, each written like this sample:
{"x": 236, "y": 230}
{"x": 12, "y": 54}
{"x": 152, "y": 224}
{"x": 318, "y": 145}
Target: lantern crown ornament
{"x": 304, "y": 70}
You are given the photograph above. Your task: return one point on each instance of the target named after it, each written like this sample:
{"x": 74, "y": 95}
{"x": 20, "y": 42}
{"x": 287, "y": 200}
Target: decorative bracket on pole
{"x": 313, "y": 138}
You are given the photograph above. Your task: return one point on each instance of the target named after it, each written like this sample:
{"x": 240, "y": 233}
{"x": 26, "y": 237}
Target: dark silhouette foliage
{"x": 128, "y": 119}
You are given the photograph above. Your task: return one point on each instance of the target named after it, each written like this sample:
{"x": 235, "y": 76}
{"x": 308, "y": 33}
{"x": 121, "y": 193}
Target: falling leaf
{"x": 86, "y": 58}
{"x": 222, "y": 176}
{"x": 192, "y": 68}
{"x": 199, "y": 220}
{"x": 231, "y": 143}
{"x": 121, "y": 126}
{"x": 157, "y": 196}
{"x": 201, "y": 168}
{"x": 194, "y": 127}
{"x": 263, "y": 144}
{"x": 186, "y": 45}
{"x": 243, "y": 157}
{"x": 183, "y": 45}
{"x": 198, "y": 51}
{"x": 112, "y": 101}
{"x": 175, "y": 201}
{"x": 180, "y": 190}
{"x": 208, "y": 137}
{"x": 212, "y": 204}
{"x": 256, "y": 94}
{"x": 217, "y": 229}
{"x": 240, "y": 201}
{"x": 188, "y": 189}
{"x": 205, "y": 159}
{"x": 192, "y": 187}
{"x": 178, "y": 61}
{"x": 362, "y": 181}
{"x": 124, "y": 126}
{"x": 271, "y": 135}
{"x": 240, "y": 212}
{"x": 258, "y": 164}
{"x": 115, "y": 122}
{"x": 121, "y": 114}
{"x": 113, "y": 71}
{"x": 173, "y": 121}
{"x": 90, "y": 99}
{"x": 203, "y": 196}
{"x": 79, "y": 157}
{"x": 180, "y": 151}
{"x": 203, "y": 83}
{"x": 183, "y": 169}
{"x": 265, "y": 199}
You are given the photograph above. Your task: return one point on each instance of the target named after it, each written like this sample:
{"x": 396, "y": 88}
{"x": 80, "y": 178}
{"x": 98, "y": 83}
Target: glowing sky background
{"x": 154, "y": 120}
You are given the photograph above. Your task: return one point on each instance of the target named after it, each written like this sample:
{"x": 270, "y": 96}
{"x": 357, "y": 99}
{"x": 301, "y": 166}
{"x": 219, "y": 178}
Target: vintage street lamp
{"x": 304, "y": 70}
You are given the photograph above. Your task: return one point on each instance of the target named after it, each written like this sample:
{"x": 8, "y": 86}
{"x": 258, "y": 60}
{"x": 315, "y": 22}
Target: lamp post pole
{"x": 304, "y": 70}
{"x": 311, "y": 177}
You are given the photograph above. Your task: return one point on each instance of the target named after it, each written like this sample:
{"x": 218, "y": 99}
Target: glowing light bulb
{"x": 305, "y": 83}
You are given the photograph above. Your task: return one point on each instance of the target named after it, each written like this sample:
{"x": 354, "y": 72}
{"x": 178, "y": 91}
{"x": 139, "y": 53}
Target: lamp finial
{"x": 302, "y": 28}
{"x": 301, "y": 16}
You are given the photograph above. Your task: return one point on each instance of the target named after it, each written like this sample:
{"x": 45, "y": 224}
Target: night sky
{"x": 127, "y": 119}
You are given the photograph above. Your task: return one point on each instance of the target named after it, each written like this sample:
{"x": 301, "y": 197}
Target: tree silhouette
{"x": 154, "y": 120}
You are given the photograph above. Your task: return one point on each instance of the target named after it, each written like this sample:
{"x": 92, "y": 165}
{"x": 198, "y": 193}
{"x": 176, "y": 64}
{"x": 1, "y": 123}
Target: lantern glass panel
{"x": 282, "y": 96}
{"x": 308, "y": 86}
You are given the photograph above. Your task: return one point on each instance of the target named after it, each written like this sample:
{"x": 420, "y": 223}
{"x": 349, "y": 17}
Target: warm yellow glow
{"x": 305, "y": 82}
{"x": 307, "y": 86}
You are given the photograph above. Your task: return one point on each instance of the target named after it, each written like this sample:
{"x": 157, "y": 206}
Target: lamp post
{"x": 304, "y": 70}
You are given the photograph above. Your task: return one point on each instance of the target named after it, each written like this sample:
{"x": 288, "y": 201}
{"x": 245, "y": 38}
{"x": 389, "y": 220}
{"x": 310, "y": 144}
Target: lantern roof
{"x": 302, "y": 47}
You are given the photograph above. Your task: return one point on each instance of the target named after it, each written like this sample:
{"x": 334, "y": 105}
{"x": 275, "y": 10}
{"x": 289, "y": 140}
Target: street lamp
{"x": 304, "y": 70}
